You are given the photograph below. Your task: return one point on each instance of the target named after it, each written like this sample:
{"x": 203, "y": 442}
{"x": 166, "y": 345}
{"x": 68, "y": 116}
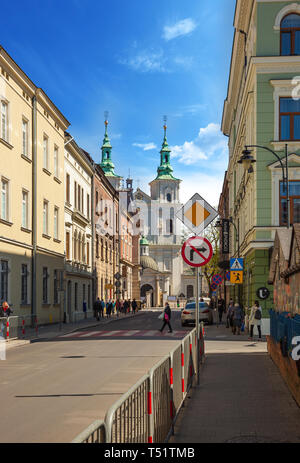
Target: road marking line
{"x": 149, "y": 333}
{"x": 91, "y": 333}
{"x": 72, "y": 334}
{"x": 111, "y": 333}
{"x": 130, "y": 333}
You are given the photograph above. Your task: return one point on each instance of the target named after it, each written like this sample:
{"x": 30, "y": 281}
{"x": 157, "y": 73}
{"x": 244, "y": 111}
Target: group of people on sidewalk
{"x": 235, "y": 318}
{"x": 111, "y": 306}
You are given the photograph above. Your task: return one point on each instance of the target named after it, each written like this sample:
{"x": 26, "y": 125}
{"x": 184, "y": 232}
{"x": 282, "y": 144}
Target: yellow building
{"x": 32, "y": 195}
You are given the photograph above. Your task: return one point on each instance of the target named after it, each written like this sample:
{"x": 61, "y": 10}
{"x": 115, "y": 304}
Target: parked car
{"x": 188, "y": 314}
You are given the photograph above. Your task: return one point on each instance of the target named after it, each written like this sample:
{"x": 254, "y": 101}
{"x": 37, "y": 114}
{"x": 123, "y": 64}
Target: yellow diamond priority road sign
{"x": 197, "y": 214}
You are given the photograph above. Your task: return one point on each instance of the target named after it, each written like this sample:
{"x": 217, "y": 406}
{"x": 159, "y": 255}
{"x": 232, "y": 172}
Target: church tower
{"x": 106, "y": 162}
{"x": 165, "y": 188}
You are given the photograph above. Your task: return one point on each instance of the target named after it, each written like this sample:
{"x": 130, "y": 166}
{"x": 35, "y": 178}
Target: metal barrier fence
{"x": 127, "y": 420}
{"x": 94, "y": 434}
{"x": 18, "y": 327}
{"x": 148, "y": 411}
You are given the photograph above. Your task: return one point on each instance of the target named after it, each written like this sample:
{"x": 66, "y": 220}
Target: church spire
{"x": 106, "y": 162}
{"x": 165, "y": 170}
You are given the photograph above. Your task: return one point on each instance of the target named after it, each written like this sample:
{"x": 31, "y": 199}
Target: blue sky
{"x": 139, "y": 60}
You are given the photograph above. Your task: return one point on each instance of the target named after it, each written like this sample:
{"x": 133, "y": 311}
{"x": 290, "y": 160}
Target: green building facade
{"x": 260, "y": 109}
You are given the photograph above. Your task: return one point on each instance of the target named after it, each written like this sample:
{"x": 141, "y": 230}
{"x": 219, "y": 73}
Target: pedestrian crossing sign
{"x": 237, "y": 264}
{"x": 236, "y": 277}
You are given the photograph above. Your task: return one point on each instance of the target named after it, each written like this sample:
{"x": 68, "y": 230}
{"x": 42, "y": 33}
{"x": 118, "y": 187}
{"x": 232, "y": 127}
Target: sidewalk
{"x": 54, "y": 330}
{"x": 241, "y": 397}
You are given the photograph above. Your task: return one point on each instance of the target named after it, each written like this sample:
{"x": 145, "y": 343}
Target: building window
{"x": 76, "y": 296}
{"x": 56, "y": 161}
{"x": 97, "y": 205}
{"x": 294, "y": 193}
{"x": 25, "y": 137}
{"x": 55, "y": 281}
{"x": 56, "y": 223}
{"x": 290, "y": 35}
{"x": 75, "y": 245}
{"x": 169, "y": 227}
{"x": 68, "y": 245}
{"x": 24, "y": 209}
{"x": 3, "y": 280}
{"x": 83, "y": 293}
{"x": 68, "y": 188}
{"x": 169, "y": 197}
{"x": 4, "y": 200}
{"x": 88, "y": 253}
{"x": 45, "y": 218}
{"x": 75, "y": 195}
{"x": 89, "y": 297}
{"x": 24, "y": 285}
{"x": 45, "y": 285}
{"x": 4, "y": 120}
{"x": 45, "y": 152}
{"x": 88, "y": 206}
{"x": 289, "y": 119}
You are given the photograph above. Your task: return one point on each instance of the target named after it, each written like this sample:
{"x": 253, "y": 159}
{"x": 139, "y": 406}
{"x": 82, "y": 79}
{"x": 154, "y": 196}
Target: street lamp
{"x": 247, "y": 160}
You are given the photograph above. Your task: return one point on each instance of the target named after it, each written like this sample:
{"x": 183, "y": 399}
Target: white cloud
{"x": 146, "y": 61}
{"x": 210, "y": 143}
{"x": 183, "y": 27}
{"x": 145, "y": 146}
{"x": 188, "y": 153}
{"x": 208, "y": 186}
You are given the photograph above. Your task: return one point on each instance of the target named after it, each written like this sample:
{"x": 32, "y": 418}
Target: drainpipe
{"x": 34, "y": 210}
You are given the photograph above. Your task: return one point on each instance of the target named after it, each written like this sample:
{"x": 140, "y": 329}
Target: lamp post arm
{"x": 271, "y": 151}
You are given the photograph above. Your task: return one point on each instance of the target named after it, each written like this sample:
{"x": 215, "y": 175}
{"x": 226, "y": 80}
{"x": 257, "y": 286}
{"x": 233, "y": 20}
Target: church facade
{"x": 161, "y": 261}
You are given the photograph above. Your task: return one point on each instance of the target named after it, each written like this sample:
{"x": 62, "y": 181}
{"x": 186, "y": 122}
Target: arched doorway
{"x": 146, "y": 289}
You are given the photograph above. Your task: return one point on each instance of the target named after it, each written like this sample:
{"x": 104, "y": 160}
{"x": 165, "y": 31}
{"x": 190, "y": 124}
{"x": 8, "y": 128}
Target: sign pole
{"x": 197, "y": 323}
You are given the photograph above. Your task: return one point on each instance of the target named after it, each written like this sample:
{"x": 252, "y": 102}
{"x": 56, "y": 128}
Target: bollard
{"x": 23, "y": 328}
{"x": 7, "y": 329}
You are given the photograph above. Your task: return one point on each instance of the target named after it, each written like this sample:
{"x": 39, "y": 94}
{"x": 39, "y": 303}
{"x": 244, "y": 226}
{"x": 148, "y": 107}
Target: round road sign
{"x": 217, "y": 279}
{"x": 197, "y": 251}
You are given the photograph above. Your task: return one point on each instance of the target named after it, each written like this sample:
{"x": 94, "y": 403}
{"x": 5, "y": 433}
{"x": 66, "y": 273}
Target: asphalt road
{"x": 52, "y": 390}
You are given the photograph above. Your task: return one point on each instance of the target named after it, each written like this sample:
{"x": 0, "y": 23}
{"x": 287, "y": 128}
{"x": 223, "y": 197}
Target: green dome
{"x": 149, "y": 262}
{"x": 144, "y": 241}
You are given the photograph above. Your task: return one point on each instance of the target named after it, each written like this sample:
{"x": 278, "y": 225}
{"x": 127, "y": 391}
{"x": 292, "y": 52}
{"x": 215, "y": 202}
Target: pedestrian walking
{"x": 5, "y": 309}
{"x": 102, "y": 307}
{"x": 134, "y": 305}
{"x": 125, "y": 306}
{"x": 229, "y": 320}
{"x": 122, "y": 306}
{"x": 118, "y": 307}
{"x": 129, "y": 305}
{"x": 221, "y": 309}
{"x": 108, "y": 308}
{"x": 238, "y": 318}
{"x": 255, "y": 320}
{"x": 167, "y": 318}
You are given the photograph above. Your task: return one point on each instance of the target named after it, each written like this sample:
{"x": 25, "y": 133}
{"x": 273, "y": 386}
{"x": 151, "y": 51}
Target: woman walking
{"x": 167, "y": 318}
{"x": 255, "y": 320}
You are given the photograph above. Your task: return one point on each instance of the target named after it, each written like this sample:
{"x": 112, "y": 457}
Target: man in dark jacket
{"x": 134, "y": 305}
{"x": 167, "y": 318}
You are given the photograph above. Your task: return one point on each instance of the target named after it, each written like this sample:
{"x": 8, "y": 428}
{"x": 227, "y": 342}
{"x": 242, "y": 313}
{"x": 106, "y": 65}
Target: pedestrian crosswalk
{"x": 123, "y": 334}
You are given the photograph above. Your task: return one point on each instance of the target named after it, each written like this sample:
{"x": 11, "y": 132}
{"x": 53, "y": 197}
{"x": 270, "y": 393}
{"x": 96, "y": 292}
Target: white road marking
{"x": 131, "y": 333}
{"x": 91, "y": 333}
{"x": 111, "y": 333}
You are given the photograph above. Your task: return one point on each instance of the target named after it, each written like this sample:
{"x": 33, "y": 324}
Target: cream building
{"x": 79, "y": 172}
{"x": 32, "y": 195}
